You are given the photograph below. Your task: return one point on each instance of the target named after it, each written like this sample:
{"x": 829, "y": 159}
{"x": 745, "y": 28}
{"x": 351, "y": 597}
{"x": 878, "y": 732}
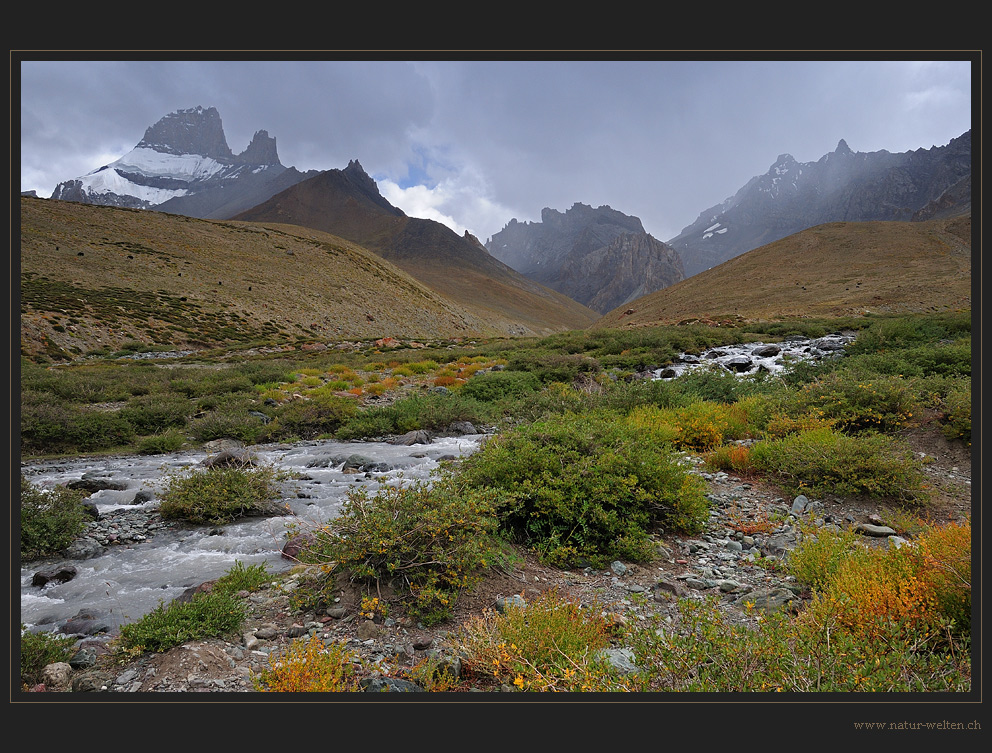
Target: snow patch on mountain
{"x": 160, "y": 164}
{"x": 153, "y": 164}
{"x": 107, "y": 181}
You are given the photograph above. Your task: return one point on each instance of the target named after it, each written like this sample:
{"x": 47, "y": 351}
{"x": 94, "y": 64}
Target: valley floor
{"x": 630, "y": 592}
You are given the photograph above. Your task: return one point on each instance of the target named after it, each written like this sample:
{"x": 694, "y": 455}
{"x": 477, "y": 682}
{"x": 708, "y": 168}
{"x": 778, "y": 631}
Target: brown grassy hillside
{"x": 836, "y": 269}
{"x": 346, "y": 203}
{"x": 98, "y": 277}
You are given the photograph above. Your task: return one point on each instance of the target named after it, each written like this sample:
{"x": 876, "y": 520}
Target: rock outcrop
{"x": 599, "y": 257}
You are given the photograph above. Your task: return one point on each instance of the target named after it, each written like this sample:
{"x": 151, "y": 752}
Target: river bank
{"x": 719, "y": 564}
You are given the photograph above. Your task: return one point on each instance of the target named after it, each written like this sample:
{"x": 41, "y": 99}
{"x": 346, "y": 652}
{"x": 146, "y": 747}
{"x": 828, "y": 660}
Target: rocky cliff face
{"x": 599, "y": 257}
{"x": 184, "y": 165}
{"x": 193, "y": 131}
{"x": 842, "y": 186}
{"x": 632, "y": 265}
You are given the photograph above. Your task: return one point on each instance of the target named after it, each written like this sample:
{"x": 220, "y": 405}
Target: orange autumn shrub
{"x": 309, "y": 667}
{"x": 945, "y": 557}
{"x": 917, "y": 589}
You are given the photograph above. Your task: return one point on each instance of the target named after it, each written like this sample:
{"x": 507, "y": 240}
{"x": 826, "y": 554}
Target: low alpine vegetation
{"x": 551, "y": 645}
{"x": 38, "y": 650}
{"x": 587, "y": 488}
{"x": 310, "y": 666}
{"x": 218, "y": 495}
{"x": 431, "y": 541}
{"x": 220, "y": 611}
{"x": 50, "y": 521}
{"x": 586, "y": 464}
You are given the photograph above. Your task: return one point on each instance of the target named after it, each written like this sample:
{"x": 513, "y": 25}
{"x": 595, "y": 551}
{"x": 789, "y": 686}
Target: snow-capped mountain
{"x": 184, "y": 165}
{"x": 842, "y": 186}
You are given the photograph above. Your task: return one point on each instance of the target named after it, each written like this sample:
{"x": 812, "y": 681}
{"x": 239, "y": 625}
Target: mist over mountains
{"x": 842, "y": 186}
{"x": 530, "y": 277}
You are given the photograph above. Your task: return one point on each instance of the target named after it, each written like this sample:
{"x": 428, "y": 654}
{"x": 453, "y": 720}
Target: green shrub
{"x": 551, "y": 645}
{"x": 437, "y": 411}
{"x": 908, "y": 331}
{"x": 549, "y": 366}
{"x": 309, "y": 419}
{"x": 430, "y": 540}
{"x": 239, "y": 424}
{"x": 555, "y": 399}
{"x": 820, "y": 554}
{"x": 430, "y": 411}
{"x": 956, "y": 417}
{"x": 587, "y": 487}
{"x": 266, "y": 372}
{"x": 950, "y": 359}
{"x": 699, "y": 426}
{"x": 370, "y": 423}
{"x": 626, "y": 394}
{"x": 50, "y": 427}
{"x": 50, "y": 521}
{"x": 858, "y": 403}
{"x": 823, "y": 461}
{"x": 200, "y": 383}
{"x": 421, "y": 367}
{"x": 38, "y": 650}
{"x": 703, "y": 651}
{"x": 717, "y": 385}
{"x": 153, "y": 414}
{"x": 243, "y": 578}
{"x": 219, "y": 495}
{"x": 157, "y": 444}
{"x": 205, "y": 615}
{"x": 500, "y": 385}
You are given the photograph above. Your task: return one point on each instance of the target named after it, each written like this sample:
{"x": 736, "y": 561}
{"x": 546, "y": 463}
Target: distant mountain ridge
{"x": 183, "y": 165}
{"x": 599, "y": 257}
{"x": 529, "y": 278}
{"x": 842, "y": 186}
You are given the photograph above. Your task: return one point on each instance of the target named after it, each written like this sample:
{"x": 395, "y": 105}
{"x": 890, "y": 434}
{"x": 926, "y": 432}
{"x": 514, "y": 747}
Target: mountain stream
{"x": 129, "y": 579}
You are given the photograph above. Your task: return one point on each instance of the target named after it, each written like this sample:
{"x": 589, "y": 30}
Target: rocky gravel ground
{"x": 750, "y": 522}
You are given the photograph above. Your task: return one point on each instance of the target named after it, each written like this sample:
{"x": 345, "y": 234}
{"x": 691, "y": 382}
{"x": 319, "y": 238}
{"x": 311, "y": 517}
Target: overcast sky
{"x": 477, "y": 143}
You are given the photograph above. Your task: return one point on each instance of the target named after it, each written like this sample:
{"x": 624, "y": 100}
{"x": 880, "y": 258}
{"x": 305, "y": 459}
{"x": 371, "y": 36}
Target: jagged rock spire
{"x": 261, "y": 150}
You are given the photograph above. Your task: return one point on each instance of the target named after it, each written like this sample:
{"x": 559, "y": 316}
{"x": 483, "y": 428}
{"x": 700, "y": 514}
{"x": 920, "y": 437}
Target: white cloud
{"x": 420, "y": 201}
{"x": 463, "y": 195}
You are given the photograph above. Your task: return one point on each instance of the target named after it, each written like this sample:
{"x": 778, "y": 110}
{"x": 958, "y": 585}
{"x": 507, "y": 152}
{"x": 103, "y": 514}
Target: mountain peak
{"x": 197, "y": 130}
{"x": 356, "y": 174}
{"x": 843, "y": 148}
